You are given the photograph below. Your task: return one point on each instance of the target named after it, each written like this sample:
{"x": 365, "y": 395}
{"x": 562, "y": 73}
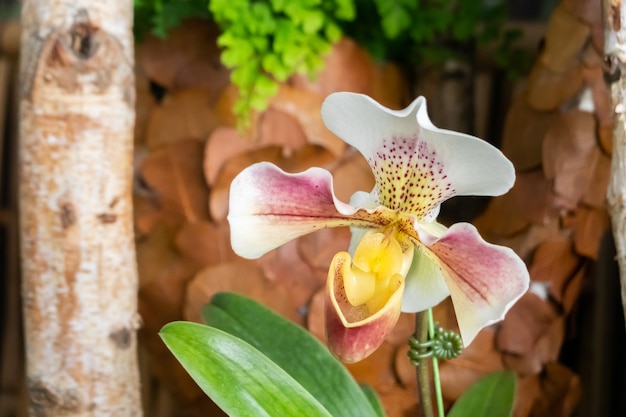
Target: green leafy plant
{"x": 159, "y": 16}
{"x": 417, "y": 32}
{"x": 266, "y": 41}
{"x": 248, "y": 352}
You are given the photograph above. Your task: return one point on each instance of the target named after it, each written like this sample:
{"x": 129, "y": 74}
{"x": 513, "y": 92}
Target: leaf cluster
{"x": 266, "y": 41}
{"x": 423, "y": 32}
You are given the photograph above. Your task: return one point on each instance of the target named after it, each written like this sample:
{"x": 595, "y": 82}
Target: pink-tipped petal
{"x": 353, "y": 333}
{"x": 416, "y": 165}
{"x": 269, "y": 207}
{"x": 484, "y": 280}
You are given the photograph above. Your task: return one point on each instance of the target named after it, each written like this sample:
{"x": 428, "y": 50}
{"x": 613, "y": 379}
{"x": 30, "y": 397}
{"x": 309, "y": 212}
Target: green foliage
{"x": 159, "y": 16}
{"x": 417, "y": 32}
{"x": 240, "y": 379}
{"x": 492, "y": 396}
{"x": 249, "y": 352}
{"x": 293, "y": 349}
{"x": 266, "y": 41}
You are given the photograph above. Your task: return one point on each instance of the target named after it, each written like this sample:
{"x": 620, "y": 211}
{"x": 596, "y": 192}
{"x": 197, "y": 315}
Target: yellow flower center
{"x": 377, "y": 270}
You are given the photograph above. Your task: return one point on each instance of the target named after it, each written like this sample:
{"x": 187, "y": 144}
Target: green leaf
{"x": 491, "y": 396}
{"x": 374, "y": 400}
{"x": 293, "y": 349}
{"x": 240, "y": 379}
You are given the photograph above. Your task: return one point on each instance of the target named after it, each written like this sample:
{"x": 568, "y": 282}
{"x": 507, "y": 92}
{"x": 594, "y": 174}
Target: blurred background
{"x": 525, "y": 75}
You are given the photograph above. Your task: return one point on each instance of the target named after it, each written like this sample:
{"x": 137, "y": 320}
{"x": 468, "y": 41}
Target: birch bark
{"x": 78, "y": 261}
{"x": 615, "y": 53}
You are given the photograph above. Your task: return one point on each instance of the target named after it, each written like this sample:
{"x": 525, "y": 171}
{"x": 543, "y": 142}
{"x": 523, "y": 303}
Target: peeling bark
{"x": 78, "y": 259}
{"x": 615, "y": 56}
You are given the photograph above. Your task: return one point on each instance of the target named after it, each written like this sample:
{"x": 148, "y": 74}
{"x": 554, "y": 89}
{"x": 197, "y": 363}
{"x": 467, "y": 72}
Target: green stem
{"x": 436, "y": 380}
{"x": 423, "y": 374}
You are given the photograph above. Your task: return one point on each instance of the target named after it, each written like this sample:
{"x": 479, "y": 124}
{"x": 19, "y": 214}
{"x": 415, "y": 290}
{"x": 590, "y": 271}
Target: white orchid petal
{"x": 416, "y": 165}
{"x": 424, "y": 285}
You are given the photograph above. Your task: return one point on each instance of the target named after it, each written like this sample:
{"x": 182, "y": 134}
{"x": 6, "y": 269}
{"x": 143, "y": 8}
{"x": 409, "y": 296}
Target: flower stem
{"x": 423, "y": 374}
{"x": 436, "y": 380}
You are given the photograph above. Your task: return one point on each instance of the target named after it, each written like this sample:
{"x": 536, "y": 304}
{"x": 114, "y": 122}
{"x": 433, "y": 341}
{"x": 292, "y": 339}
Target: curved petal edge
{"x": 484, "y": 279}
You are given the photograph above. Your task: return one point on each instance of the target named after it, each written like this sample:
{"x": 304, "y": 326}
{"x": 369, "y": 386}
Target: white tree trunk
{"x": 615, "y": 53}
{"x": 78, "y": 259}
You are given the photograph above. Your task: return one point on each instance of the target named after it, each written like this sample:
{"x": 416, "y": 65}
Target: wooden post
{"x": 78, "y": 260}
{"x": 615, "y": 54}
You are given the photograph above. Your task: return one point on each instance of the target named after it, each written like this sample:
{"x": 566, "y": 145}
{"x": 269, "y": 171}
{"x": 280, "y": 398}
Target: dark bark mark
{"x": 68, "y": 215}
{"x": 107, "y": 218}
{"x": 83, "y": 42}
{"x": 121, "y": 338}
{"x": 44, "y": 400}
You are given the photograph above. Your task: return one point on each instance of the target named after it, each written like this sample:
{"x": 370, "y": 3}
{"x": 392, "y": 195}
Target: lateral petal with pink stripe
{"x": 269, "y": 207}
{"x": 484, "y": 280}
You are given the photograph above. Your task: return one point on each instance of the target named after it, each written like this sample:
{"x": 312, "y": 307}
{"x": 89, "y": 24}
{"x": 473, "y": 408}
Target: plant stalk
{"x": 423, "y": 374}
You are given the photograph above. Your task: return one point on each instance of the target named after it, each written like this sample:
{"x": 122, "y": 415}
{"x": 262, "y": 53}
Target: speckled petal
{"x": 269, "y": 207}
{"x": 484, "y": 280}
{"x": 416, "y": 165}
{"x": 353, "y": 333}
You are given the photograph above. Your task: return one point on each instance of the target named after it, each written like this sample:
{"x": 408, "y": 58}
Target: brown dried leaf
{"x": 503, "y": 217}
{"x": 315, "y": 317}
{"x": 570, "y": 152}
{"x": 183, "y": 114}
{"x": 565, "y": 38}
{"x": 202, "y": 243}
{"x": 144, "y": 105}
{"x": 526, "y": 394}
{"x": 560, "y": 390}
{"x": 223, "y": 144}
{"x": 594, "y": 79}
{"x": 304, "y": 158}
{"x": 163, "y": 60}
{"x": 555, "y": 264}
{"x": 524, "y": 129}
{"x": 278, "y": 128}
{"x": 390, "y": 86}
{"x": 399, "y": 402}
{"x": 599, "y": 175}
{"x": 531, "y": 335}
{"x": 524, "y": 244}
{"x": 348, "y": 67}
{"x": 240, "y": 277}
{"x": 589, "y": 226}
{"x": 174, "y": 174}
{"x": 572, "y": 291}
{"x": 352, "y": 174}
{"x": 377, "y": 369}
{"x": 318, "y": 249}
{"x": 589, "y": 12}
{"x": 548, "y": 90}
{"x": 305, "y": 107}
{"x": 158, "y": 259}
{"x": 533, "y": 194}
{"x": 147, "y": 214}
{"x": 284, "y": 267}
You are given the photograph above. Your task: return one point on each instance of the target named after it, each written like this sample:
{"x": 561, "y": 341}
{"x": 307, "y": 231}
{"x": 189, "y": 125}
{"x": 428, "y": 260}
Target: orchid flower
{"x": 400, "y": 258}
